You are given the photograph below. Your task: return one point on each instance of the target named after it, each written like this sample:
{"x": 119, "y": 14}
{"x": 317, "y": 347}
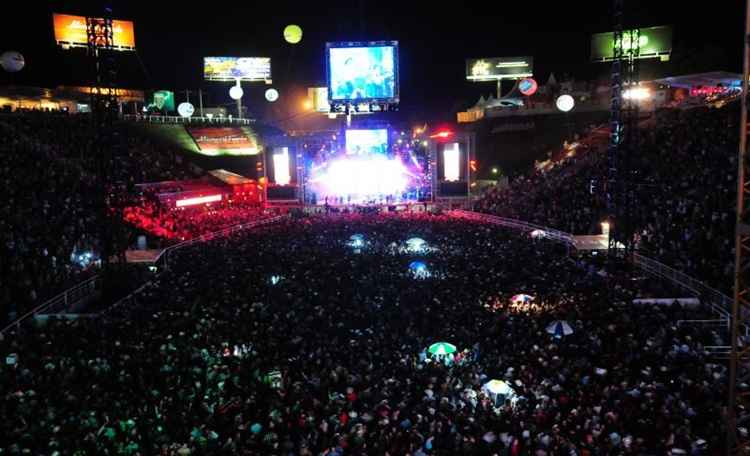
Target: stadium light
{"x": 494, "y": 170}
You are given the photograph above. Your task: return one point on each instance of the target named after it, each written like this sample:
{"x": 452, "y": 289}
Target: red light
{"x": 473, "y": 165}
{"x": 442, "y": 134}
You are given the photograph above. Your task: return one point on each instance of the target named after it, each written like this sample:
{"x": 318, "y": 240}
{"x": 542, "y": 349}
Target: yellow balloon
{"x": 293, "y": 34}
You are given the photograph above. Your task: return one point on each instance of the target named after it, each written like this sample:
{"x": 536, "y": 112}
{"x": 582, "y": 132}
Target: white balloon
{"x": 185, "y": 109}
{"x": 272, "y": 95}
{"x": 236, "y": 92}
{"x": 12, "y": 61}
{"x": 565, "y": 103}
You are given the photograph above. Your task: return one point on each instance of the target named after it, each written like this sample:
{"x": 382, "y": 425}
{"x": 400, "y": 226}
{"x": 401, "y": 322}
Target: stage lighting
{"x": 416, "y": 245}
{"x": 419, "y": 270}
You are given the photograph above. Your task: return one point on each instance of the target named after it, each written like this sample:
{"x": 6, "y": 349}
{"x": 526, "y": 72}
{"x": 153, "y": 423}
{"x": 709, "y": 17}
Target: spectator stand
{"x": 188, "y": 120}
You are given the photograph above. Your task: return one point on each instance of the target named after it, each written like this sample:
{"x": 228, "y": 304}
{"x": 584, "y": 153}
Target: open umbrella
{"x": 559, "y": 328}
{"x": 497, "y": 387}
{"x": 441, "y": 348}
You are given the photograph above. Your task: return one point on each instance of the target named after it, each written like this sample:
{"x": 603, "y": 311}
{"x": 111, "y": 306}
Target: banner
{"x": 215, "y": 141}
{"x": 652, "y": 42}
{"x": 232, "y": 68}
{"x": 71, "y": 30}
{"x": 492, "y": 69}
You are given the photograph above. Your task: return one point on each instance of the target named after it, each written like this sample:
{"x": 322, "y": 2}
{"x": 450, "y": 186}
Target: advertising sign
{"x": 653, "y": 42}
{"x": 215, "y": 141}
{"x": 71, "y": 31}
{"x": 233, "y": 68}
{"x": 492, "y": 69}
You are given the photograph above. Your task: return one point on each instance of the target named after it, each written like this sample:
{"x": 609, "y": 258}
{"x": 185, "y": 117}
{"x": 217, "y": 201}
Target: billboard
{"x": 232, "y": 68}
{"x": 215, "y": 141}
{"x": 492, "y": 69}
{"x": 653, "y": 42}
{"x": 71, "y": 31}
{"x": 367, "y": 142}
{"x": 362, "y": 71}
{"x": 318, "y": 98}
{"x": 163, "y": 101}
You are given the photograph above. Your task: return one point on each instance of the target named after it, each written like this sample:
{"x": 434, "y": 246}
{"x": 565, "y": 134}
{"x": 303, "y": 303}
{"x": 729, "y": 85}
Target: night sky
{"x": 435, "y": 39}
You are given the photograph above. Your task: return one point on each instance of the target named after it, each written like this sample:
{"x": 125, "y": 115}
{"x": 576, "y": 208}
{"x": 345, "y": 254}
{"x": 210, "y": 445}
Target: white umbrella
{"x": 497, "y": 387}
{"x": 559, "y": 328}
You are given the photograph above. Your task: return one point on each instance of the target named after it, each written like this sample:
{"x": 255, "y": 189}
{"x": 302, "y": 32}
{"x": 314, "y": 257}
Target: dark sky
{"x": 435, "y": 39}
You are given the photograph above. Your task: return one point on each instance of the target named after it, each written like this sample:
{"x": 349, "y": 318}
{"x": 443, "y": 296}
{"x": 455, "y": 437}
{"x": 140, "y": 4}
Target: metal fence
{"x": 719, "y": 302}
{"x": 188, "y": 120}
{"x": 62, "y": 303}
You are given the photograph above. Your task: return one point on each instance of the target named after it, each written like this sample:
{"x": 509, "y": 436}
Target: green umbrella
{"x": 441, "y": 348}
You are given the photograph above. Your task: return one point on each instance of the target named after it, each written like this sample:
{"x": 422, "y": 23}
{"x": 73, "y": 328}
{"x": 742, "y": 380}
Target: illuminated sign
{"x": 318, "y": 98}
{"x": 233, "y": 68}
{"x": 198, "y": 200}
{"x": 451, "y": 162}
{"x": 653, "y": 42}
{"x": 72, "y": 31}
{"x": 215, "y": 141}
{"x": 281, "y": 174}
{"x": 491, "y": 69}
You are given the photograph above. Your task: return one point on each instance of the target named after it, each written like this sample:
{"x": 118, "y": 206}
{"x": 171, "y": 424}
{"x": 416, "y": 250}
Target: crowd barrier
{"x": 62, "y": 303}
{"x": 188, "y": 120}
{"x": 719, "y": 302}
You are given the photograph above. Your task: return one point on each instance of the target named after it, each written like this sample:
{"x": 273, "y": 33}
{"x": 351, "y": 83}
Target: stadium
{"x": 421, "y": 234}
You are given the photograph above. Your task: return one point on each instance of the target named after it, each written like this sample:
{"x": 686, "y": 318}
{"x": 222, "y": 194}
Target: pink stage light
{"x": 451, "y": 162}
{"x": 281, "y": 166}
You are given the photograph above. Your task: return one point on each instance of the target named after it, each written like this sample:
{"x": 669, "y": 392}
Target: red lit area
{"x": 443, "y": 134}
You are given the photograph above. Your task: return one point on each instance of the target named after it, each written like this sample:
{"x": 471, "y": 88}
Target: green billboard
{"x": 653, "y": 42}
{"x": 163, "y": 101}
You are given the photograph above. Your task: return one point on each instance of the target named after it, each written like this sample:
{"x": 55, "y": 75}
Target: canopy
{"x": 497, "y": 387}
{"x": 441, "y": 348}
{"x": 559, "y": 328}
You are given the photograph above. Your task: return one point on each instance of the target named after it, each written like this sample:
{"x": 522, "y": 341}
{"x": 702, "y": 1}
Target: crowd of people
{"x": 290, "y": 339}
{"x": 54, "y": 180}
{"x": 169, "y": 224}
{"x": 682, "y": 182}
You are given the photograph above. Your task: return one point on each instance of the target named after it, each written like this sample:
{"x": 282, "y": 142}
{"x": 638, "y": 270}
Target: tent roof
{"x": 709, "y": 79}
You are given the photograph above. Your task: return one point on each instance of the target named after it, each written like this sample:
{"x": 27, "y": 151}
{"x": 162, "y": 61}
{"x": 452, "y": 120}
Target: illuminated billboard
{"x": 232, "y": 68}
{"x": 281, "y": 174}
{"x": 367, "y": 142}
{"x": 163, "y": 101}
{"x": 71, "y": 31}
{"x": 653, "y": 42}
{"x": 215, "y": 141}
{"x": 318, "y": 98}
{"x": 362, "y": 71}
{"x": 492, "y": 69}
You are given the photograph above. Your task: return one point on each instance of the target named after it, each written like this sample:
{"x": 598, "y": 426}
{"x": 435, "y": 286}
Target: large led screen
{"x": 232, "y": 68}
{"x": 367, "y": 142}
{"x": 363, "y": 72}
{"x": 652, "y": 42}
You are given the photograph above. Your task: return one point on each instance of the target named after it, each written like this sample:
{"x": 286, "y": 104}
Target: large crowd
{"x": 54, "y": 179}
{"x": 292, "y": 339}
{"x": 683, "y": 181}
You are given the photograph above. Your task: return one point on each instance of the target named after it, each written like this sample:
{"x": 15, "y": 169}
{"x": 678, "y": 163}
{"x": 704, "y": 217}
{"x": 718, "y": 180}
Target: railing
{"x": 550, "y": 233}
{"x": 64, "y": 302}
{"x": 188, "y": 120}
{"x": 164, "y": 255}
{"x": 719, "y": 302}
{"x": 206, "y": 237}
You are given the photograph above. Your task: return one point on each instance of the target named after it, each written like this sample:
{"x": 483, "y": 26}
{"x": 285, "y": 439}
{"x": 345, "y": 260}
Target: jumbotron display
{"x": 369, "y": 169}
{"x": 362, "y": 71}
{"x": 233, "y": 68}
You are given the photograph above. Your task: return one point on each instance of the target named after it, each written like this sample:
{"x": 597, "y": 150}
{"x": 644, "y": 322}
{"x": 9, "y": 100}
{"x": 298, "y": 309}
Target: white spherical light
{"x": 12, "y": 61}
{"x": 185, "y": 109}
{"x": 565, "y": 103}
{"x": 272, "y": 95}
{"x": 236, "y": 92}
